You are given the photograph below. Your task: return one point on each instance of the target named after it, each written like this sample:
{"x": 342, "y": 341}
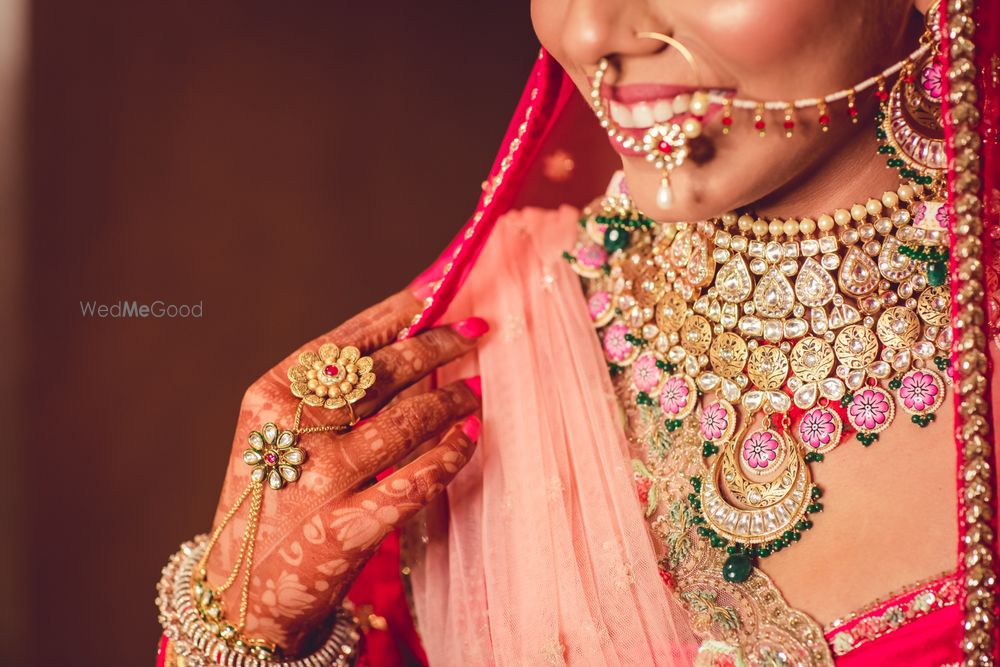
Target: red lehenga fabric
{"x": 886, "y": 635}
{"x": 551, "y": 116}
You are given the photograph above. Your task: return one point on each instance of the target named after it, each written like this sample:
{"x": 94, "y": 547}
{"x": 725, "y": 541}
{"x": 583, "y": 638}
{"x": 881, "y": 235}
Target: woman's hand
{"x": 316, "y": 533}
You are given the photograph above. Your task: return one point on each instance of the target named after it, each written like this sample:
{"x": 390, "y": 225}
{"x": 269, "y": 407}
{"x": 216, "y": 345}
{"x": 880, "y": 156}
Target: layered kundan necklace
{"x": 780, "y": 337}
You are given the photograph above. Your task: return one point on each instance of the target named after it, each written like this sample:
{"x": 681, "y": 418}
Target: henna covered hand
{"x": 315, "y": 534}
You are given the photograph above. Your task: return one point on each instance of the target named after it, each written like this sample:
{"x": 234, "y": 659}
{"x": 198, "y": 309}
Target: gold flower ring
{"x": 333, "y": 378}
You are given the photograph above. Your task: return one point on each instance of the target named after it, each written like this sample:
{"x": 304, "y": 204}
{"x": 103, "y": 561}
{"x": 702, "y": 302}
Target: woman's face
{"x": 757, "y": 49}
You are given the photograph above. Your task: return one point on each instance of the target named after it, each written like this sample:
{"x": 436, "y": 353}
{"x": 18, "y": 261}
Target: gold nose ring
{"x": 683, "y": 50}
{"x": 665, "y": 145}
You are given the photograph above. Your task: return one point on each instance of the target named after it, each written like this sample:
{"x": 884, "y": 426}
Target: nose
{"x": 594, "y": 29}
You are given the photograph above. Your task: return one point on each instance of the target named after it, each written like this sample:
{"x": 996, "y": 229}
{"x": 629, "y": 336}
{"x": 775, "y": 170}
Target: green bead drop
{"x": 936, "y": 273}
{"x": 737, "y": 568}
{"x": 615, "y": 238}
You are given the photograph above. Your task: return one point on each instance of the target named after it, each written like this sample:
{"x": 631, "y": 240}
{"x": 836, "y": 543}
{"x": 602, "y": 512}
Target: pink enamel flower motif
{"x": 714, "y": 421}
{"x": 599, "y": 304}
{"x": 616, "y": 347}
{"x": 592, "y": 256}
{"x": 817, "y": 428}
{"x": 930, "y": 79}
{"x": 645, "y": 373}
{"x": 942, "y": 216}
{"x": 760, "y": 449}
{"x": 869, "y": 409}
{"x": 919, "y": 391}
{"x": 674, "y": 396}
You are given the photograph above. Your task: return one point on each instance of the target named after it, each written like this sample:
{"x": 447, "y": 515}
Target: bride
{"x": 715, "y": 417}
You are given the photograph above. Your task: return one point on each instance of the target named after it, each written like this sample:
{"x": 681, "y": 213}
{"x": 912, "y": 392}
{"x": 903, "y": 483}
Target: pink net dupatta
{"x": 541, "y": 555}
{"x": 546, "y": 557}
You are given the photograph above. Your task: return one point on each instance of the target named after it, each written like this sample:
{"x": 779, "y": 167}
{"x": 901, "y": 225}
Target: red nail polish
{"x": 474, "y": 327}
{"x": 471, "y": 428}
{"x": 475, "y": 384}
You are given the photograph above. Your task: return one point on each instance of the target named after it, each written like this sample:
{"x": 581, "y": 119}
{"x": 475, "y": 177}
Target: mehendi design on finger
{"x": 416, "y": 363}
{"x": 314, "y": 531}
{"x": 293, "y": 554}
{"x": 397, "y": 488}
{"x": 361, "y": 527}
{"x": 428, "y": 480}
{"x": 334, "y": 567}
{"x": 285, "y": 596}
{"x": 375, "y": 440}
{"x": 452, "y": 461}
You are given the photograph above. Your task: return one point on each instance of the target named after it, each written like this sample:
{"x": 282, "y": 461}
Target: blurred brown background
{"x": 283, "y": 163}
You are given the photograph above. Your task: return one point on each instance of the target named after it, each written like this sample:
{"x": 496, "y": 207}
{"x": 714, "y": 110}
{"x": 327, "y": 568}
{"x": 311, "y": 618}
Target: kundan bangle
{"x": 197, "y": 641}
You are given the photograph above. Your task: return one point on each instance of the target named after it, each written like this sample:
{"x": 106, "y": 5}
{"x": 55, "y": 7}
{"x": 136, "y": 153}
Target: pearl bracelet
{"x": 200, "y": 646}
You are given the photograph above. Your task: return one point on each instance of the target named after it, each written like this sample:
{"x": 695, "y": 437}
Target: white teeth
{"x": 681, "y": 103}
{"x": 642, "y": 115}
{"x": 662, "y": 111}
{"x": 621, "y": 115}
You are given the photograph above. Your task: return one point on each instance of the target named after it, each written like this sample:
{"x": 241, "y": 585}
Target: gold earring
{"x": 910, "y": 128}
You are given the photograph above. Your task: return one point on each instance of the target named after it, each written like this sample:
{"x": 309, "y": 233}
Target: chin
{"x": 691, "y": 199}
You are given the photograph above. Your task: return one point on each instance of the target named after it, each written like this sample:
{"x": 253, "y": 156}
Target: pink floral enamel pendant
{"x": 870, "y": 411}
{"x": 589, "y": 260}
{"x": 717, "y": 422}
{"x": 920, "y": 391}
{"x": 678, "y": 397}
{"x": 820, "y": 430}
{"x": 601, "y": 307}
{"x": 617, "y": 347}
{"x": 647, "y": 376}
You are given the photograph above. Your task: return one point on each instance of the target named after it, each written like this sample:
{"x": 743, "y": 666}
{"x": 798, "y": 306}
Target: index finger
{"x": 382, "y": 375}
{"x": 369, "y": 330}
{"x": 377, "y": 326}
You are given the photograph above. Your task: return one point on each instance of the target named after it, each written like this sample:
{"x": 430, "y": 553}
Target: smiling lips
{"x": 635, "y": 108}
